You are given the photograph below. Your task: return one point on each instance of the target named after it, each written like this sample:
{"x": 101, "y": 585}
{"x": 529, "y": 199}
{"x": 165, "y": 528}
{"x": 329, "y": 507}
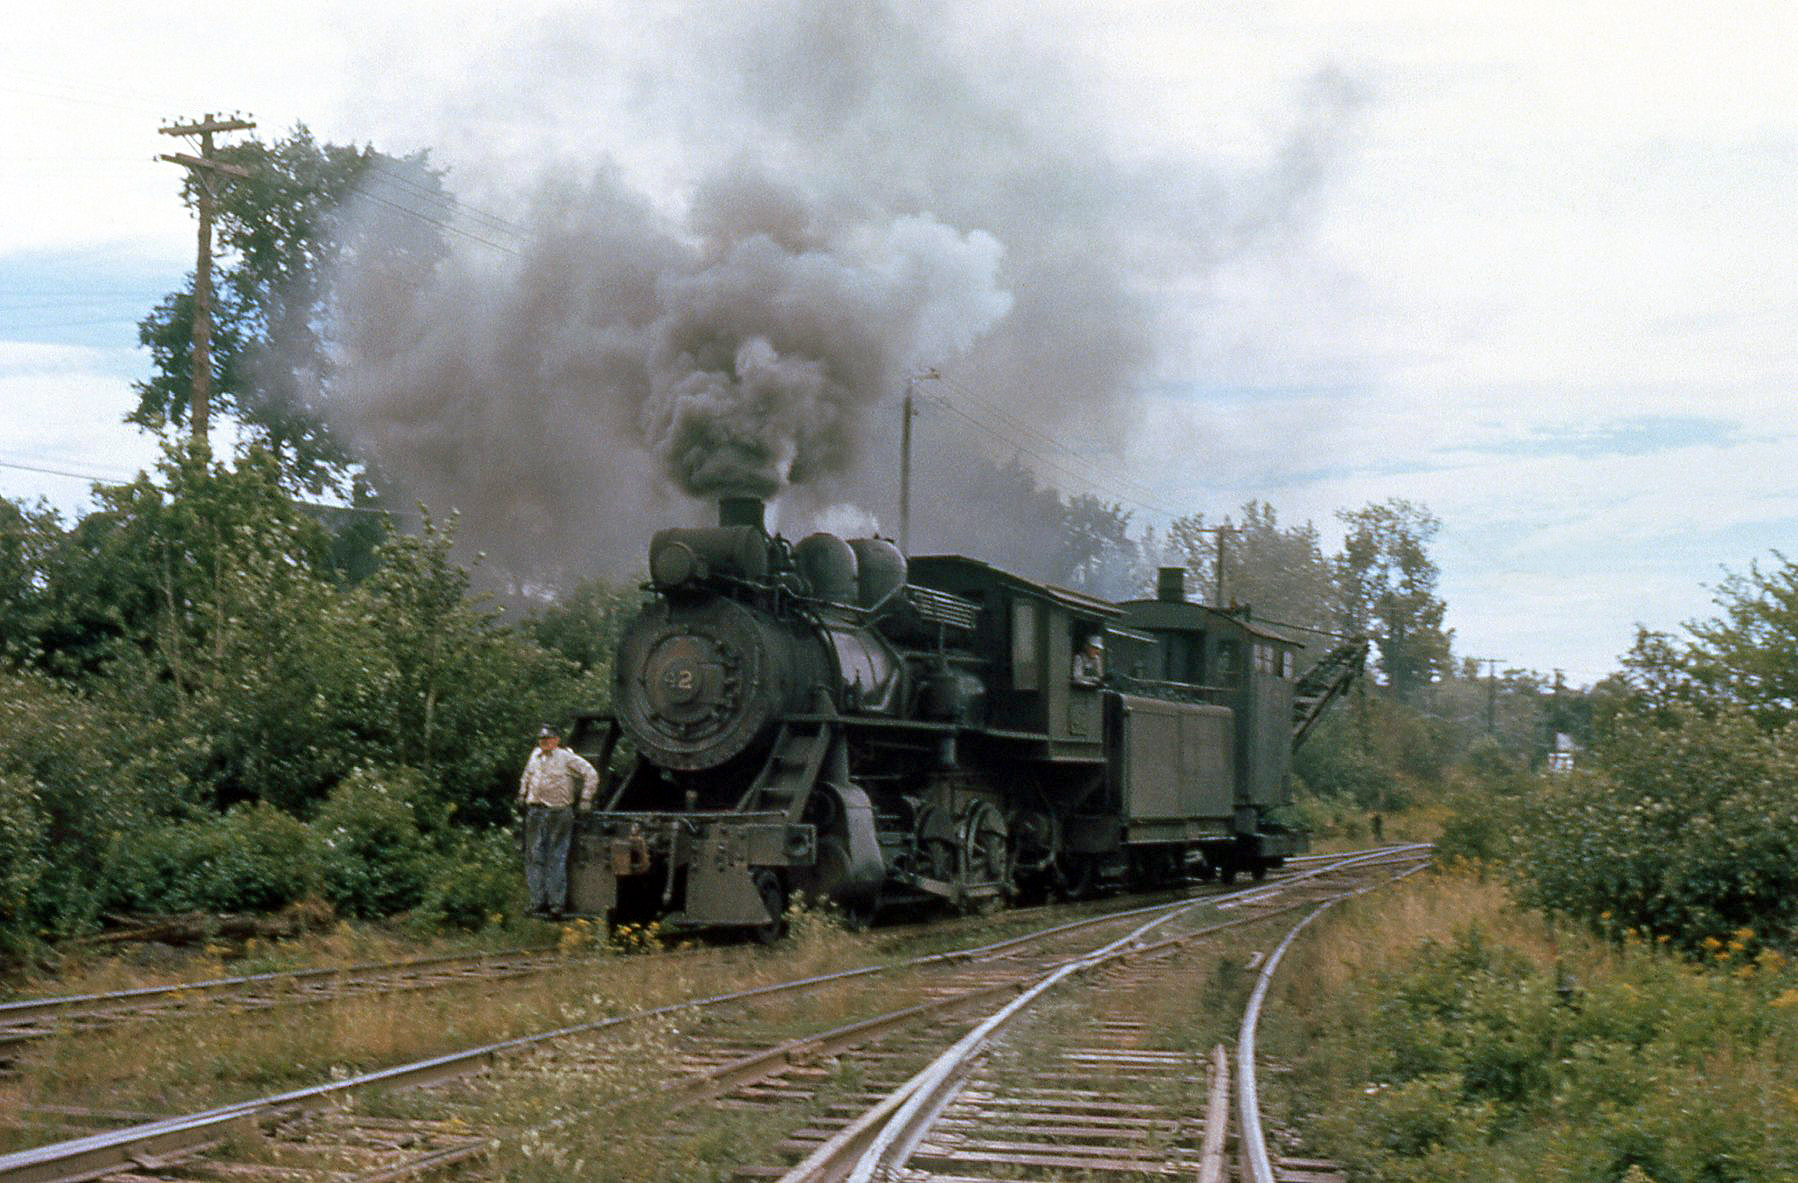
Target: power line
{"x": 449, "y": 201}
{"x": 1083, "y": 477}
{"x": 119, "y": 480}
{"x": 1020, "y": 425}
{"x": 424, "y": 217}
{"x": 82, "y": 476}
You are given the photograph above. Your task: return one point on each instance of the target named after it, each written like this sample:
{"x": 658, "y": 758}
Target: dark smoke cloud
{"x": 739, "y": 349}
{"x": 870, "y": 187}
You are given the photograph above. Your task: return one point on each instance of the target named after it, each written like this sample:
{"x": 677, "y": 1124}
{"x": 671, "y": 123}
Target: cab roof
{"x": 923, "y": 565}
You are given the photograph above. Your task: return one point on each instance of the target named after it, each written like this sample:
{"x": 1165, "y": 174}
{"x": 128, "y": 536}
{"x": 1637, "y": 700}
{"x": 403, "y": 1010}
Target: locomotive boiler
{"x": 832, "y": 718}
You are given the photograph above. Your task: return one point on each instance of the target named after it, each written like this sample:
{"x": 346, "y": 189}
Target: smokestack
{"x": 741, "y": 511}
{"x": 1170, "y": 585}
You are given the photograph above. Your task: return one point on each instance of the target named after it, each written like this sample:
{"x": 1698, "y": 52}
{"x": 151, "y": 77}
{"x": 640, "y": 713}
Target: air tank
{"x": 882, "y": 570}
{"x": 829, "y": 565}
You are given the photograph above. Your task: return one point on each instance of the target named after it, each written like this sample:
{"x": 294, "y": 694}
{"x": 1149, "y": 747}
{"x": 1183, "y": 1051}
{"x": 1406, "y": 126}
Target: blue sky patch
{"x": 92, "y": 296}
{"x": 1641, "y": 436}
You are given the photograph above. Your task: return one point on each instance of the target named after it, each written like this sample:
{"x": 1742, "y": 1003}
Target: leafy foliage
{"x": 1278, "y": 571}
{"x": 281, "y": 232}
{"x": 474, "y": 882}
{"x": 1387, "y": 584}
{"x": 375, "y": 855}
{"x": 192, "y": 671}
{"x": 1095, "y": 552}
{"x": 1689, "y": 830}
{"x": 1478, "y": 1065}
{"x": 249, "y": 859}
{"x": 74, "y": 775}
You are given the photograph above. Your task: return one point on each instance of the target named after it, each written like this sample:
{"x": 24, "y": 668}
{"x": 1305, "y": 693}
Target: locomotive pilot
{"x": 546, "y": 790}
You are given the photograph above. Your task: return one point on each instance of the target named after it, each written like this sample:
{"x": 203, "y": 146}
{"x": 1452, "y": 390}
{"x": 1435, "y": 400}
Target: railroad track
{"x": 37, "y": 1018}
{"x": 27, "y": 1019}
{"x": 306, "y": 1134}
{"x": 964, "y": 1113}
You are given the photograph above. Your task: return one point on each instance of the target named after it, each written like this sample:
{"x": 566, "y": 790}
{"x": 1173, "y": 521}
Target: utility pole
{"x": 1491, "y": 693}
{"x": 908, "y": 412}
{"x": 1222, "y": 533}
{"x": 205, "y": 172}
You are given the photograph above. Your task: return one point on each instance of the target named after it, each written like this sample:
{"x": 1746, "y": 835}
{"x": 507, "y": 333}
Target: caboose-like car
{"x": 829, "y": 717}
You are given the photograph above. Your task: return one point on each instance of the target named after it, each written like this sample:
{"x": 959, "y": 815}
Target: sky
{"x": 1544, "y": 279}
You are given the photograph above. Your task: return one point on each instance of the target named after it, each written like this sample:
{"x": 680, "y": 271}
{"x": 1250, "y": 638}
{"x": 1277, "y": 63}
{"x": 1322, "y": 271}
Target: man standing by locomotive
{"x": 546, "y": 790}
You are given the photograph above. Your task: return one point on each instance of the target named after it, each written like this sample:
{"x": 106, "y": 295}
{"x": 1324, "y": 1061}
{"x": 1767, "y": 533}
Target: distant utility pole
{"x": 1491, "y": 692}
{"x": 908, "y": 412}
{"x": 205, "y": 171}
{"x": 1222, "y": 532}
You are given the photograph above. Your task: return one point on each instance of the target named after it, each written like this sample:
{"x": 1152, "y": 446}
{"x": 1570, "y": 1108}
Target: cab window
{"x": 1026, "y": 667}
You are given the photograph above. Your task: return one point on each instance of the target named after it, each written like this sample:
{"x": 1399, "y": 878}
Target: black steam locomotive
{"x": 829, "y": 717}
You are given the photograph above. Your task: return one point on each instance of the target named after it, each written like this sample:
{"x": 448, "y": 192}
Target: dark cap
{"x": 549, "y": 731}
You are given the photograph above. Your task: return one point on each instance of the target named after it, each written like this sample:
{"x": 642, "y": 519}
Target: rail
{"x": 18, "y": 1017}
{"x": 97, "y": 1155}
{"x": 883, "y": 1137}
{"x": 1251, "y": 1138}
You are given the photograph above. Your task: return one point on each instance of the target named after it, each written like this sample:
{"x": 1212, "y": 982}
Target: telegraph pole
{"x": 1491, "y": 694}
{"x": 908, "y": 412}
{"x": 1223, "y": 532}
{"x": 205, "y": 172}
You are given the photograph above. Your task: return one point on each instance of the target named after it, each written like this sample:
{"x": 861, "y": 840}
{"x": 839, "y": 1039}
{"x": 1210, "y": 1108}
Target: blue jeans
{"x": 546, "y": 834}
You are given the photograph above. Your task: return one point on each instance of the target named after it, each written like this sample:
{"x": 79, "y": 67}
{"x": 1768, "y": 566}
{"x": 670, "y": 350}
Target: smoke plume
{"x": 797, "y": 204}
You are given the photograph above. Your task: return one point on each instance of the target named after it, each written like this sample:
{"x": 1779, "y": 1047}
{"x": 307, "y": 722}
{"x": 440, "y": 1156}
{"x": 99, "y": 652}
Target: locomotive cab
{"x": 1227, "y": 660}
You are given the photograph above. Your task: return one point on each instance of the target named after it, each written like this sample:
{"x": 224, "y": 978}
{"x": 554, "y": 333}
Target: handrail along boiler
{"x": 829, "y": 717}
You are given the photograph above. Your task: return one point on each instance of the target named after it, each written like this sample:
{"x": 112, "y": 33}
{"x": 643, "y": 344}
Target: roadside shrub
{"x": 1477, "y": 1066}
{"x": 1342, "y": 770}
{"x": 72, "y": 775}
{"x": 22, "y": 862}
{"x": 376, "y": 861}
{"x": 1327, "y": 817}
{"x": 1688, "y": 830}
{"x": 254, "y": 858}
{"x": 1480, "y": 829}
{"x": 475, "y": 882}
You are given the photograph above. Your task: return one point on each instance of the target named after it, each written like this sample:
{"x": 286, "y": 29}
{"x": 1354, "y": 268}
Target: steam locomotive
{"x": 833, "y": 718}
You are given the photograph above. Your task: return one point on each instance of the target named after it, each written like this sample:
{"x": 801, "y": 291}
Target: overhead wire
{"x": 116, "y": 480}
{"x": 1085, "y": 477}
{"x": 1022, "y": 426}
{"x": 450, "y": 202}
{"x": 424, "y": 217}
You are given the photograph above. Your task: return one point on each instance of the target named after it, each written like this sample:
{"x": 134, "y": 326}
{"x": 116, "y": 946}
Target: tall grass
{"x": 1439, "y": 1034}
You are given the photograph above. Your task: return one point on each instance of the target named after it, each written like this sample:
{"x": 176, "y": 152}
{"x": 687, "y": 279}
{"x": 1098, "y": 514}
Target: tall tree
{"x": 1746, "y": 656}
{"x": 1279, "y": 571}
{"x": 1387, "y": 583}
{"x": 1097, "y": 554}
{"x": 305, "y": 208}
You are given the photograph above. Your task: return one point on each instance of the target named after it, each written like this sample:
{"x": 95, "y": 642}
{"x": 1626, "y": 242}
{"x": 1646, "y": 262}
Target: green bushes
{"x": 23, "y": 861}
{"x": 375, "y": 858}
{"x": 365, "y": 854}
{"x": 1478, "y": 1066}
{"x": 253, "y": 858}
{"x": 1688, "y": 830}
{"x": 187, "y": 669}
{"x": 73, "y": 773}
{"x": 475, "y": 882}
